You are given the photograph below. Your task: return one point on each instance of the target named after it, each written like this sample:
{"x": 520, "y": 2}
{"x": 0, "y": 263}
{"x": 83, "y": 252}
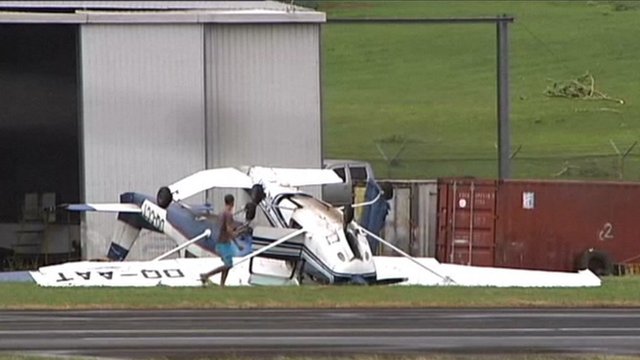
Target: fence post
{"x": 622, "y": 156}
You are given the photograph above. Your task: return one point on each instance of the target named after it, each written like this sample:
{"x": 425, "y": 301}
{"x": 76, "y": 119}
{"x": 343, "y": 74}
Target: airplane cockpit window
{"x": 341, "y": 173}
{"x": 294, "y": 224}
{"x": 286, "y": 208}
{"x": 358, "y": 173}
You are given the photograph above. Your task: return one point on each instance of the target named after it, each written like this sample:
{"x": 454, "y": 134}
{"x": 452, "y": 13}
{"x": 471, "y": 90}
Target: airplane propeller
{"x": 257, "y": 195}
{"x": 347, "y": 216}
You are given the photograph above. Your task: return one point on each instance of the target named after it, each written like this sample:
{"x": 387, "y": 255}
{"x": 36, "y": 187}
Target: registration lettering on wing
{"x": 154, "y": 215}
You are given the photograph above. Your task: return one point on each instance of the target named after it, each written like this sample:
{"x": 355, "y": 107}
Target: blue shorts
{"x": 226, "y": 251}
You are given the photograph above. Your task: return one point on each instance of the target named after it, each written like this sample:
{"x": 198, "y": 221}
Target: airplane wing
{"x": 295, "y": 177}
{"x": 230, "y": 177}
{"x": 463, "y": 275}
{"x": 117, "y": 207}
{"x": 168, "y": 272}
{"x": 206, "y": 179}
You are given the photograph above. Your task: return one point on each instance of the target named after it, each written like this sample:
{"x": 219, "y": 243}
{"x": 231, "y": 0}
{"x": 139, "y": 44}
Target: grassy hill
{"x": 428, "y": 92}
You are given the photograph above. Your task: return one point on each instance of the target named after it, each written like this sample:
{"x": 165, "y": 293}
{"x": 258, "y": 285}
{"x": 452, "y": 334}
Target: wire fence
{"x": 420, "y": 162}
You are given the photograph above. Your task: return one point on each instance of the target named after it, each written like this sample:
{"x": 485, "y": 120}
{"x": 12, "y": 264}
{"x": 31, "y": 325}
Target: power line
{"x": 545, "y": 46}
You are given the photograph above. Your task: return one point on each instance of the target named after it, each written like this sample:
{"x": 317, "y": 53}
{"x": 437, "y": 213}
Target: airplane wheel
{"x": 387, "y": 188}
{"x": 250, "y": 211}
{"x": 257, "y": 193}
{"x": 164, "y": 197}
{"x": 348, "y": 214}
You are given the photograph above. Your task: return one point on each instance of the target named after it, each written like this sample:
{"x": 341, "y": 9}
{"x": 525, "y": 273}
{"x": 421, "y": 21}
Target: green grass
{"x": 434, "y": 86}
{"x": 614, "y": 292}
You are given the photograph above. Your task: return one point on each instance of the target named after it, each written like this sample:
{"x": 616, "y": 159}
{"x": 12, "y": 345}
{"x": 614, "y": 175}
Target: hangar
{"x": 103, "y": 97}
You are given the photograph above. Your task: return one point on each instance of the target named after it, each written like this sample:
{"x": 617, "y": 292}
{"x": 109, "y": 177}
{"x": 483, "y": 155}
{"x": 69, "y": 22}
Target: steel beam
{"x": 504, "y": 106}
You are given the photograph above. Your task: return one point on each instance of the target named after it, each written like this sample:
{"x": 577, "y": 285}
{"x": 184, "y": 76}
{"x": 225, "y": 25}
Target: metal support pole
{"x": 184, "y": 245}
{"x": 265, "y": 248}
{"x": 502, "y": 25}
{"x": 446, "y": 279}
{"x": 504, "y": 145}
{"x": 471, "y": 208}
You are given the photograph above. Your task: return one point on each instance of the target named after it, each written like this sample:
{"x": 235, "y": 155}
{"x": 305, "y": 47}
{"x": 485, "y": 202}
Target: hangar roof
{"x": 101, "y": 12}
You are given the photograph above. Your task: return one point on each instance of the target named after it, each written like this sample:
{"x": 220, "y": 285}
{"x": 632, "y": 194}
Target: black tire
{"x": 257, "y": 193}
{"x": 250, "y": 211}
{"x": 387, "y": 190}
{"x": 599, "y": 262}
{"x": 348, "y": 214}
{"x": 164, "y": 197}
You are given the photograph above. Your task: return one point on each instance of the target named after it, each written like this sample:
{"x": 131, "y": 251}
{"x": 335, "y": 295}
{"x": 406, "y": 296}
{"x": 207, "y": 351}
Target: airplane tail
{"x": 123, "y": 238}
{"x": 127, "y": 229}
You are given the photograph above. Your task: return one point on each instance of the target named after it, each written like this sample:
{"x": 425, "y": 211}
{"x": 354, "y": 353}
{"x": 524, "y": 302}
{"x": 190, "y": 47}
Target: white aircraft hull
{"x": 186, "y": 272}
{"x": 462, "y": 275}
{"x": 173, "y": 272}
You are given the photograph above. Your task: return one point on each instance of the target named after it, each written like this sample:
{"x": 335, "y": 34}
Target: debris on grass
{"x": 582, "y": 87}
{"x": 601, "y": 109}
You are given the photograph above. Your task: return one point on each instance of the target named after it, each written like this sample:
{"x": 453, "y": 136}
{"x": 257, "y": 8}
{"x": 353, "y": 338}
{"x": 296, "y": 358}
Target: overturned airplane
{"x": 308, "y": 241}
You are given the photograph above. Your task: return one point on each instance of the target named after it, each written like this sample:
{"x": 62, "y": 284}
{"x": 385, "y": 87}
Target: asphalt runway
{"x": 251, "y": 333}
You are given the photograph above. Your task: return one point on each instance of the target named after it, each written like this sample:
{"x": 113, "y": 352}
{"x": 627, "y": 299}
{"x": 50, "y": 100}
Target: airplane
{"x": 333, "y": 250}
{"x": 307, "y": 240}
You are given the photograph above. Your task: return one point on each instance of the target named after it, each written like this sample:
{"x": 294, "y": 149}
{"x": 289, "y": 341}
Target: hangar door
{"x": 38, "y": 136}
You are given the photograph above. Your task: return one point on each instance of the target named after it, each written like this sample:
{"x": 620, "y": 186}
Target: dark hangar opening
{"x": 38, "y": 121}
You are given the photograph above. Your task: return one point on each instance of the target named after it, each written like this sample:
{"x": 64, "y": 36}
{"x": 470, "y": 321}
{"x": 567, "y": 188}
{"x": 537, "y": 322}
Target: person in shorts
{"x": 225, "y": 247}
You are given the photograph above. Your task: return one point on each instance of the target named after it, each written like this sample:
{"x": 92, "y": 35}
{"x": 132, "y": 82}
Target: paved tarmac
{"x": 189, "y": 334}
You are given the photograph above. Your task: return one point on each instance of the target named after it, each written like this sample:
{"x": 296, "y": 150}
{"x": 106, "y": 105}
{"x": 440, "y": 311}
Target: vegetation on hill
{"x": 419, "y": 101}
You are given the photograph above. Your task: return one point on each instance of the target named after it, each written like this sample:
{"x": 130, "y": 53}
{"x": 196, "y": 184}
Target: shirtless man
{"x": 224, "y": 246}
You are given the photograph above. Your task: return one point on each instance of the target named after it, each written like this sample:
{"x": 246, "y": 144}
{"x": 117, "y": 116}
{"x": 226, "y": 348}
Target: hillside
{"x": 428, "y": 92}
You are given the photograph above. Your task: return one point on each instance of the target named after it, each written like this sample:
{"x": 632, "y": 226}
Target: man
{"x": 224, "y": 246}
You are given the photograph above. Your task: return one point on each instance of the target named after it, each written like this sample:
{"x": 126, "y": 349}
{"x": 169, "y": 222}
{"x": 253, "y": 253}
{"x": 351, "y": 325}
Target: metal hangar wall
{"x": 165, "y": 90}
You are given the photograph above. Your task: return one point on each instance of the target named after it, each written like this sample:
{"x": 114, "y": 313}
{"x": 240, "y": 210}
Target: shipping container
{"x": 461, "y": 240}
{"x": 546, "y": 225}
{"x": 411, "y": 221}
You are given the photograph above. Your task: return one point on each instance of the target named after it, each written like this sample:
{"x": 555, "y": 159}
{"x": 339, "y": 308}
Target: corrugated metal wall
{"x": 551, "y": 225}
{"x": 142, "y": 118}
{"x": 398, "y": 225}
{"x": 561, "y": 225}
{"x": 263, "y": 95}
{"x": 412, "y": 220}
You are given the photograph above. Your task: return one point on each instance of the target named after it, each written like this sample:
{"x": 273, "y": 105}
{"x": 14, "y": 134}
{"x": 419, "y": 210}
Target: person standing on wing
{"x": 225, "y": 248}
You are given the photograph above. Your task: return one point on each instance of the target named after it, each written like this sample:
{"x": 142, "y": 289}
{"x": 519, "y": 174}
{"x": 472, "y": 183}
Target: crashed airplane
{"x": 308, "y": 241}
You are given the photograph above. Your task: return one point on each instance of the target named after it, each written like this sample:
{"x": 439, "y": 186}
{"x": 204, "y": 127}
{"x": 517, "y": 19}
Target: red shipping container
{"x": 459, "y": 240}
{"x": 546, "y": 225}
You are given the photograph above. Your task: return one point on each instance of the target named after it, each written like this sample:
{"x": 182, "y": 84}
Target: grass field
{"x": 613, "y": 293}
{"x": 433, "y": 88}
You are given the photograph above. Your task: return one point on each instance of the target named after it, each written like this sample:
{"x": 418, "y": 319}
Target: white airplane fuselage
{"x": 332, "y": 252}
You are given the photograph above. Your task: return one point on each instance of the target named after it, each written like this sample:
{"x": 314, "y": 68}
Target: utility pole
{"x": 504, "y": 106}
{"x": 502, "y": 25}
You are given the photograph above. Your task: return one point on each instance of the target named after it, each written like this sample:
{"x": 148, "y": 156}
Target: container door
{"x": 466, "y": 222}
{"x": 398, "y": 229}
